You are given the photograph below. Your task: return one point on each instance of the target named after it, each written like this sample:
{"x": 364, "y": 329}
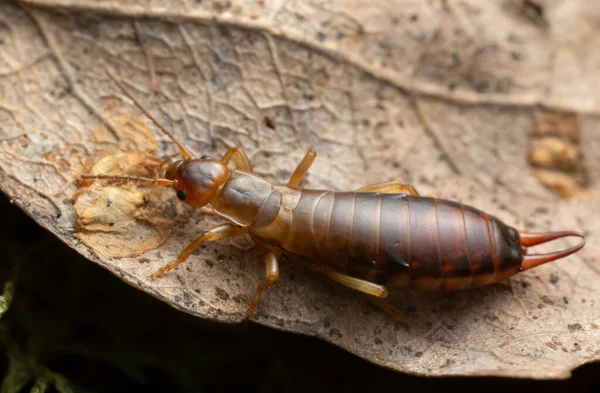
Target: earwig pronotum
{"x": 379, "y": 237}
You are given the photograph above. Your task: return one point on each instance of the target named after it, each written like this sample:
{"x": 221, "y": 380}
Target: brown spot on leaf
{"x": 556, "y": 155}
{"x": 56, "y": 158}
{"x": 534, "y": 11}
{"x": 112, "y": 216}
{"x": 239, "y": 299}
{"x": 269, "y": 122}
{"x": 222, "y": 294}
{"x": 574, "y": 327}
{"x": 547, "y": 300}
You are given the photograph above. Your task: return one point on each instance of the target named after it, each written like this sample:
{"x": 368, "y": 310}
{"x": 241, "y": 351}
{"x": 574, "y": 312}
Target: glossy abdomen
{"x": 399, "y": 240}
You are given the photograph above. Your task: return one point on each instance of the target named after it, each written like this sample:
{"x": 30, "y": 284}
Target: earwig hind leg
{"x": 241, "y": 160}
{"x": 272, "y": 270}
{"x": 374, "y": 293}
{"x": 388, "y": 309}
{"x": 390, "y": 188}
{"x": 220, "y": 232}
{"x": 302, "y": 168}
{"x": 367, "y": 287}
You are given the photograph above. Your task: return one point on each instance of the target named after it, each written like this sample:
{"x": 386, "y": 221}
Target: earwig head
{"x": 197, "y": 180}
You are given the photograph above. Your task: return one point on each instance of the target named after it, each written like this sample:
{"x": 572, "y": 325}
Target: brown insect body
{"x": 377, "y": 238}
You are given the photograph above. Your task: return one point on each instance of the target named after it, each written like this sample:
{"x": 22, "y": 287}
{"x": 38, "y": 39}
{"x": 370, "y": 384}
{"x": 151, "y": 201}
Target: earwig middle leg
{"x": 272, "y": 270}
{"x": 367, "y": 287}
{"x": 390, "y": 188}
{"x": 241, "y": 160}
{"x": 302, "y": 168}
{"x": 220, "y": 232}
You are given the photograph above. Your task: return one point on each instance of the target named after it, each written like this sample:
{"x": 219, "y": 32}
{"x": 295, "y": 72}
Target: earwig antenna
{"x": 185, "y": 153}
{"x": 136, "y": 179}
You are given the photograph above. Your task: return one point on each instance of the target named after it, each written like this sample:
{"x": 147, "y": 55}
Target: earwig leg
{"x": 388, "y": 308}
{"x": 390, "y": 188}
{"x": 221, "y": 232}
{"x": 367, "y": 287}
{"x": 241, "y": 160}
{"x": 208, "y": 210}
{"x": 302, "y": 168}
{"x": 272, "y": 269}
{"x": 374, "y": 293}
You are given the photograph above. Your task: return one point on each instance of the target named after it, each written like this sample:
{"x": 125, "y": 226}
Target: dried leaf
{"x": 447, "y": 96}
{"x": 123, "y": 220}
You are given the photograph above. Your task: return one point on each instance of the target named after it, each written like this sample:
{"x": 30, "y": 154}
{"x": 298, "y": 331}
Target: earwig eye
{"x": 206, "y": 157}
{"x": 181, "y": 195}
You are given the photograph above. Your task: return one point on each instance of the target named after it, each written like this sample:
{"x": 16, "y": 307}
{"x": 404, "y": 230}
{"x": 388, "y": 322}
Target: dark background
{"x": 73, "y": 323}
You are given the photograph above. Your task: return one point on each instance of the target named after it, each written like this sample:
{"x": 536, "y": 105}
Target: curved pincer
{"x": 534, "y": 239}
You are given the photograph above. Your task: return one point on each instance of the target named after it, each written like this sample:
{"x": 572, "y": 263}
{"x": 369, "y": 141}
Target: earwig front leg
{"x": 390, "y": 188}
{"x": 302, "y": 168}
{"x": 208, "y": 210}
{"x": 272, "y": 269}
{"x": 367, "y": 287}
{"x": 241, "y": 160}
{"x": 221, "y": 232}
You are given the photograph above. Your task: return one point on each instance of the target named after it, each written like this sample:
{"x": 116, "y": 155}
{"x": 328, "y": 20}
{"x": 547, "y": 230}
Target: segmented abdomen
{"x": 399, "y": 240}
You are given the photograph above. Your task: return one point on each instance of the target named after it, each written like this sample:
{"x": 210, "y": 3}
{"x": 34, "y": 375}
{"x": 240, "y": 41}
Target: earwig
{"x": 374, "y": 239}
